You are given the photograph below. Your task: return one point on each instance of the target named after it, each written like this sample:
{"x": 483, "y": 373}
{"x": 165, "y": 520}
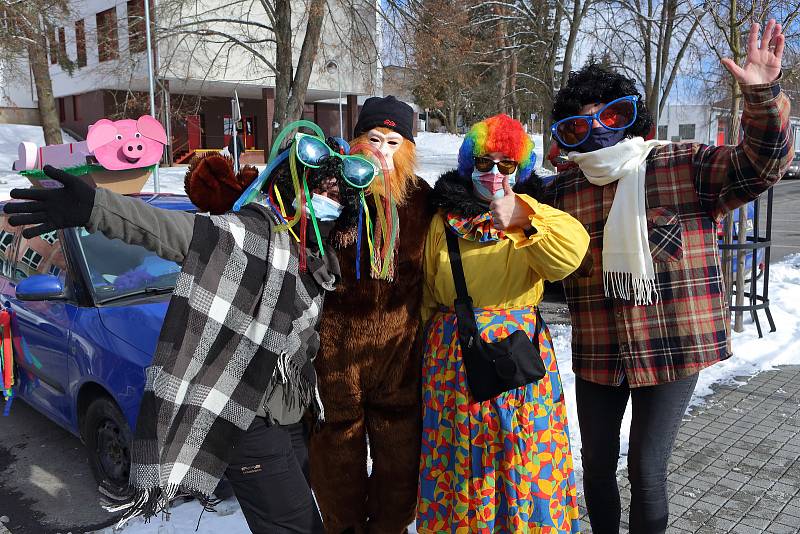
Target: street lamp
{"x": 149, "y": 39}
{"x": 332, "y": 66}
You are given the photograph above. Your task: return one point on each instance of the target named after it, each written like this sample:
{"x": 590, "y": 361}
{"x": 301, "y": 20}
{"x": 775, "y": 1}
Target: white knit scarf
{"x": 628, "y": 271}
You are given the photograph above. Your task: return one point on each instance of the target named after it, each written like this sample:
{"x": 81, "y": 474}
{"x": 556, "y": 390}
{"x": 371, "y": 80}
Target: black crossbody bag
{"x": 491, "y": 368}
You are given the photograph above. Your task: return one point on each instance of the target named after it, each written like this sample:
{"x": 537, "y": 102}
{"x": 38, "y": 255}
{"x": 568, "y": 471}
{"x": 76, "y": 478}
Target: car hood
{"x": 138, "y": 325}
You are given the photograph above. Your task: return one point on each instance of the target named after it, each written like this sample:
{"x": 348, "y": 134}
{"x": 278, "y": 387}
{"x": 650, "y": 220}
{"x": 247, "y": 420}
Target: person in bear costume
{"x": 370, "y": 350}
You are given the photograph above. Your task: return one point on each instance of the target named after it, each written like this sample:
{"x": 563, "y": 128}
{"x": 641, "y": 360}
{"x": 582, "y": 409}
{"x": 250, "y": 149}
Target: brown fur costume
{"x": 212, "y": 185}
{"x": 369, "y": 377}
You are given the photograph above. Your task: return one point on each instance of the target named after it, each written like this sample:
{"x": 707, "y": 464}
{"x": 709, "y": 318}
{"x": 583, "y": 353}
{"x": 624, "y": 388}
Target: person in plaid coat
{"x": 648, "y": 306}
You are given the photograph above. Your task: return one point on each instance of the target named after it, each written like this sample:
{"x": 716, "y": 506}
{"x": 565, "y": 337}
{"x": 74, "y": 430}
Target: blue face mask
{"x": 325, "y": 209}
{"x": 488, "y": 186}
{"x": 600, "y": 138}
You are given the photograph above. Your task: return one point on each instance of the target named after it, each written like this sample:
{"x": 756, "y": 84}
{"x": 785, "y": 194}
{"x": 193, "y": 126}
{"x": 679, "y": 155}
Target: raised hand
{"x": 52, "y": 209}
{"x": 763, "y": 61}
{"x": 508, "y": 211}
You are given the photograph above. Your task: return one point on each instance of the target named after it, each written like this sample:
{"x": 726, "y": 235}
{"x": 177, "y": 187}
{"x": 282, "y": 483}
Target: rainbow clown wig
{"x": 500, "y": 133}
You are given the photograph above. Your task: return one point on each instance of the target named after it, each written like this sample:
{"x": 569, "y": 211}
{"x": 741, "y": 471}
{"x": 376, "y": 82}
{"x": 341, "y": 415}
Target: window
{"x": 52, "y": 46}
{"x": 50, "y": 237}
{"x": 75, "y": 115}
{"x": 31, "y": 258}
{"x": 40, "y": 256}
{"x": 686, "y": 131}
{"x": 80, "y": 43}
{"x": 137, "y": 37}
{"x": 6, "y": 238}
{"x": 107, "y": 41}
{"x": 662, "y": 132}
{"x": 62, "y": 44}
{"x": 62, "y": 113}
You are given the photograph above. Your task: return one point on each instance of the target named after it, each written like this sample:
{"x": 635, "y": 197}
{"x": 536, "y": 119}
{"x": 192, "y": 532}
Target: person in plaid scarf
{"x": 233, "y": 372}
{"x": 648, "y": 307}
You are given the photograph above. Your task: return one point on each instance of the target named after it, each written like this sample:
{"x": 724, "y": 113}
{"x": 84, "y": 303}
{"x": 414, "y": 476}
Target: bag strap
{"x": 455, "y": 264}
{"x": 463, "y": 304}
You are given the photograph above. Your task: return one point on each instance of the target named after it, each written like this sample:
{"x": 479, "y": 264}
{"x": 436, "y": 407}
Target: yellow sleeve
{"x": 559, "y": 244}
{"x": 429, "y": 268}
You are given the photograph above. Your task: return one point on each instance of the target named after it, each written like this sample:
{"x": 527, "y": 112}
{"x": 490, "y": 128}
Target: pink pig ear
{"x": 100, "y": 133}
{"x": 151, "y": 128}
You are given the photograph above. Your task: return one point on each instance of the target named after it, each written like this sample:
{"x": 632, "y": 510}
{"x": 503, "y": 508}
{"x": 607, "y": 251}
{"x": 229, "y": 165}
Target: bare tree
{"x": 445, "y": 73}
{"x": 28, "y": 33}
{"x": 649, "y": 39}
{"x": 539, "y": 39}
{"x": 257, "y": 40}
{"x": 731, "y": 21}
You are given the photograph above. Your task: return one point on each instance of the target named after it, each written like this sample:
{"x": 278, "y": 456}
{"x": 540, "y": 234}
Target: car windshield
{"x": 117, "y": 269}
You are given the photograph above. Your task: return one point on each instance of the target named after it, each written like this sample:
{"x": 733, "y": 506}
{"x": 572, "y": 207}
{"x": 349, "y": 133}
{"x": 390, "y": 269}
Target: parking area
{"x": 785, "y": 220}
{"x": 46, "y": 486}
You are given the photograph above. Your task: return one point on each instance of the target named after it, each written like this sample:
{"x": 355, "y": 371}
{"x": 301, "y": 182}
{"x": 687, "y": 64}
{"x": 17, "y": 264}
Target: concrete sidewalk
{"x": 736, "y": 465}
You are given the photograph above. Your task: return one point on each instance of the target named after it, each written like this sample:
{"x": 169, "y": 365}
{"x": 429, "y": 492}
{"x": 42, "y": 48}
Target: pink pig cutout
{"x": 127, "y": 144}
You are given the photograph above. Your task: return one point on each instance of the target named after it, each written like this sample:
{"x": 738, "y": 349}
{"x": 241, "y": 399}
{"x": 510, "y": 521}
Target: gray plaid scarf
{"x": 240, "y": 315}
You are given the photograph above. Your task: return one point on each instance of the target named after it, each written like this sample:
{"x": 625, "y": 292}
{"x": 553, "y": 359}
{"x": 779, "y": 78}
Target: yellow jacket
{"x": 507, "y": 273}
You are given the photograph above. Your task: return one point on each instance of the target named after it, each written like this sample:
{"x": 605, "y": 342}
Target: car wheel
{"x": 108, "y": 444}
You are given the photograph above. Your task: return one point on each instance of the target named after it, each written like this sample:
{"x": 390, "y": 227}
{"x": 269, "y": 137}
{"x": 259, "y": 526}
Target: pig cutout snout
{"x": 127, "y": 144}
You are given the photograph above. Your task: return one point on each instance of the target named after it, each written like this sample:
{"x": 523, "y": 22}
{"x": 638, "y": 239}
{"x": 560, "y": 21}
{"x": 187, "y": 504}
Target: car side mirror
{"x": 40, "y": 287}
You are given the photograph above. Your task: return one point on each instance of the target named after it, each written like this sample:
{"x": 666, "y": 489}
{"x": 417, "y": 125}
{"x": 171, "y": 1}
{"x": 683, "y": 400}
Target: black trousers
{"x": 269, "y": 476}
{"x": 657, "y": 413}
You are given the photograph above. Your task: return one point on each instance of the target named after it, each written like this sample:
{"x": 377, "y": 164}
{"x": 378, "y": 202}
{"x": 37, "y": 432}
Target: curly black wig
{"x": 595, "y": 84}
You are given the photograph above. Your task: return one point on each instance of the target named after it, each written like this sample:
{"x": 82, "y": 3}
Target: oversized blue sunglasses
{"x": 616, "y": 115}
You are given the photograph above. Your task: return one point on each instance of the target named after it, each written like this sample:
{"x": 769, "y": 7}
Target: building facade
{"x": 197, "y": 76}
{"x": 705, "y": 123}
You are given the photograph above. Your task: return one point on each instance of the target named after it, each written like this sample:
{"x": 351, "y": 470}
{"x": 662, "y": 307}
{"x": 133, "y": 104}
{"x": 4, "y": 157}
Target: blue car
{"x": 86, "y": 312}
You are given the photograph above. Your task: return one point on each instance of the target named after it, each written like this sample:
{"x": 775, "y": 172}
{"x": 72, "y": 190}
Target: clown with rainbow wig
{"x": 509, "y": 456}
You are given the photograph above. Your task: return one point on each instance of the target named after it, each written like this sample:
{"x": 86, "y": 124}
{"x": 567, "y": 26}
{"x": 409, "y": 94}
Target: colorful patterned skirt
{"x": 502, "y": 465}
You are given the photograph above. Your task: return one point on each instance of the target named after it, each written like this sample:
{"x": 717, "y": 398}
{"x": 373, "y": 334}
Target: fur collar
{"x": 453, "y": 194}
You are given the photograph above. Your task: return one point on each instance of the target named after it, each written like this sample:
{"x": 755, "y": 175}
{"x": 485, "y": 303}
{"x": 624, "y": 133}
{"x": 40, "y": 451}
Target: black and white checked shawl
{"x": 240, "y": 315}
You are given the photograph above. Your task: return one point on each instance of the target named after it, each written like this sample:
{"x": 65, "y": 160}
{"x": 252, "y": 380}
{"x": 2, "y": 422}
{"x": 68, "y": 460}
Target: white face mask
{"x": 325, "y": 209}
{"x": 386, "y": 143}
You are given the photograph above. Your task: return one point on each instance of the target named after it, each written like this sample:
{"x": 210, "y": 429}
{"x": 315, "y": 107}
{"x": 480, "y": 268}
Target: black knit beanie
{"x": 387, "y": 112}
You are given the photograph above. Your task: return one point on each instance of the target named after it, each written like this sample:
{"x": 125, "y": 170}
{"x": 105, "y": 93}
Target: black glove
{"x": 52, "y": 209}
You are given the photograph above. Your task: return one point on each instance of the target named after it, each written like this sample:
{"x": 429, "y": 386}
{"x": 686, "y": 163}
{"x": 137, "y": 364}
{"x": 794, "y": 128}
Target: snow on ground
{"x": 11, "y": 135}
{"x": 438, "y": 153}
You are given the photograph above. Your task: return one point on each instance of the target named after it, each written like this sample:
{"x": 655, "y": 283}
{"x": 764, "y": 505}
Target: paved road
{"x": 46, "y": 485}
{"x": 736, "y": 465}
{"x": 785, "y": 220}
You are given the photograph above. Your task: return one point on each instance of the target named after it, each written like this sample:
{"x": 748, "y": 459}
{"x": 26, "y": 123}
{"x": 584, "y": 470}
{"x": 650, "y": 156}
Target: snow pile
{"x": 752, "y": 354}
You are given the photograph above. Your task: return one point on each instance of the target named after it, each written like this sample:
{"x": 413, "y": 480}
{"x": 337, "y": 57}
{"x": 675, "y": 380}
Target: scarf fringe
{"x": 628, "y": 286}
{"x": 297, "y": 388}
{"x": 150, "y": 502}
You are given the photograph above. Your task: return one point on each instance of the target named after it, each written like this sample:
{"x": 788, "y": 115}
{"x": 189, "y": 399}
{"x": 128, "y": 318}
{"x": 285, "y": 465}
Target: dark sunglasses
{"x": 616, "y": 115}
{"x": 357, "y": 171}
{"x": 505, "y": 166}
